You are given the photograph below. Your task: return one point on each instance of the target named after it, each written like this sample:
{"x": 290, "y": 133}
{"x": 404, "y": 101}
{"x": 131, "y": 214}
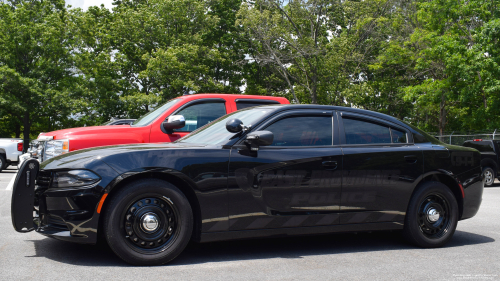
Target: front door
{"x": 197, "y": 114}
{"x": 294, "y": 182}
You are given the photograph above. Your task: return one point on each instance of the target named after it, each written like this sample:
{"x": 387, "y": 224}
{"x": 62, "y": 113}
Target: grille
{"x": 43, "y": 180}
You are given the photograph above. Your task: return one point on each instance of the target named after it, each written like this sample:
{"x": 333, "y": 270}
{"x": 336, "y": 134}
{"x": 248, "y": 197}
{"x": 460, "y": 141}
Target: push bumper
{"x": 64, "y": 214}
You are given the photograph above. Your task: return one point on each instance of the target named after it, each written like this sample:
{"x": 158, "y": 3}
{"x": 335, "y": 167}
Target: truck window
{"x": 240, "y": 104}
{"x": 200, "y": 114}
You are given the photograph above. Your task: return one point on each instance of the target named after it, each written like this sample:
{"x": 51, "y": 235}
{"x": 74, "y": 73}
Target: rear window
{"x": 240, "y": 104}
{"x": 482, "y": 146}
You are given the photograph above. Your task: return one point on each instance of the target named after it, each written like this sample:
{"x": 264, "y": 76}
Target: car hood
{"x": 74, "y": 132}
{"x": 119, "y": 156}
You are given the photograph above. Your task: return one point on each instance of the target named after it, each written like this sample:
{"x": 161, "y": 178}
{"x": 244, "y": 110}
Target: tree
{"x": 35, "y": 62}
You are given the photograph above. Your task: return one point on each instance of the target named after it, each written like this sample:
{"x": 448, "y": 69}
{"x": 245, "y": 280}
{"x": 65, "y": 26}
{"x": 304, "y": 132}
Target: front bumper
{"x": 66, "y": 214}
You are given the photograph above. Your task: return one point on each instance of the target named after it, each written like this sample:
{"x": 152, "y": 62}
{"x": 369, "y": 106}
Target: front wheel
{"x": 432, "y": 216}
{"x": 489, "y": 176}
{"x": 148, "y": 222}
{"x": 3, "y": 163}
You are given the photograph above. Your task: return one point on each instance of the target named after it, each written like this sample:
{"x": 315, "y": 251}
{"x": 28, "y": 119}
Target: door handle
{"x": 330, "y": 165}
{"x": 412, "y": 159}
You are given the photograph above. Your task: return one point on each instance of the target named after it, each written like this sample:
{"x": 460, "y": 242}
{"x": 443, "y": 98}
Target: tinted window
{"x": 398, "y": 136}
{"x": 200, "y": 114}
{"x": 482, "y": 146}
{"x": 362, "y": 132}
{"x": 245, "y": 104}
{"x": 302, "y": 131}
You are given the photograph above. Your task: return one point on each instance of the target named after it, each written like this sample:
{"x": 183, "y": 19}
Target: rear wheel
{"x": 432, "y": 216}
{"x": 148, "y": 222}
{"x": 489, "y": 176}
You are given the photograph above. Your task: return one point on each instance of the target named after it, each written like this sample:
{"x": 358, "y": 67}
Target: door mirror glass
{"x": 174, "y": 122}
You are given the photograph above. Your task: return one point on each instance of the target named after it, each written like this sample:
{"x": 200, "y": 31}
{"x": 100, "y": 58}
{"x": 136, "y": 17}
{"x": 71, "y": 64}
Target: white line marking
{"x": 11, "y": 183}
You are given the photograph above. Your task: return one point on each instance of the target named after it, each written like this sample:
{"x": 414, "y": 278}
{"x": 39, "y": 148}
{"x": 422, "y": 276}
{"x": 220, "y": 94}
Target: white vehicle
{"x": 10, "y": 150}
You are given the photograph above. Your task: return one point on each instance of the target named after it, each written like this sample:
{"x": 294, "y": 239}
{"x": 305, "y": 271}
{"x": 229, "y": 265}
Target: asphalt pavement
{"x": 472, "y": 254}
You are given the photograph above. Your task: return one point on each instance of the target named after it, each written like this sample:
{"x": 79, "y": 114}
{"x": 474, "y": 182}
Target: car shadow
{"x": 287, "y": 247}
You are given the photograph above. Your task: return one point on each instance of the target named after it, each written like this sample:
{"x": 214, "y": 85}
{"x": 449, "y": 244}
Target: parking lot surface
{"x": 472, "y": 254}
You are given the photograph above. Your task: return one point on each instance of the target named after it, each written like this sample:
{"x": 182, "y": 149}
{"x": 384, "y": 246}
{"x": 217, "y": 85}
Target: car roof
{"x": 282, "y": 107}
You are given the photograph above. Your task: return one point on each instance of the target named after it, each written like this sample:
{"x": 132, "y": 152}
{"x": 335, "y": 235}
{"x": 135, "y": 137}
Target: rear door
{"x": 294, "y": 182}
{"x": 381, "y": 166}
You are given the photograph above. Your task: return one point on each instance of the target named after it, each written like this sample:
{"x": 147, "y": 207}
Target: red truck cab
{"x": 197, "y": 110}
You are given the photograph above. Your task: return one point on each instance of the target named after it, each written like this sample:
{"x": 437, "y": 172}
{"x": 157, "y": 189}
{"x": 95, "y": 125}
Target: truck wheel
{"x": 148, "y": 222}
{"x": 3, "y": 163}
{"x": 432, "y": 216}
{"x": 489, "y": 175}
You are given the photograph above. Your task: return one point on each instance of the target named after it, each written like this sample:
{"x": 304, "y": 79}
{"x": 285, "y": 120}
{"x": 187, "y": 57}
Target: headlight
{"x": 74, "y": 178}
{"x": 55, "y": 148}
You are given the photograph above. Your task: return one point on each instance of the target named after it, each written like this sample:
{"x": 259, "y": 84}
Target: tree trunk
{"x": 26, "y": 130}
{"x": 17, "y": 130}
{"x": 442, "y": 116}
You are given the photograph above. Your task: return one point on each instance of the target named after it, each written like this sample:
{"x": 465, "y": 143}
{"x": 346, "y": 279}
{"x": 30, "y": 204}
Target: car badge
{"x": 32, "y": 166}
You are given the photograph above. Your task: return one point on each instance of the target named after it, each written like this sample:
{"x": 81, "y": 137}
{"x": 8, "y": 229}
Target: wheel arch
{"x": 490, "y": 163}
{"x": 450, "y": 182}
{"x": 175, "y": 178}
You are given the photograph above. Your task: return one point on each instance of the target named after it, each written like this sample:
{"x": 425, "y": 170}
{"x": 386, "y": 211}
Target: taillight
{"x": 478, "y": 140}
{"x": 19, "y": 146}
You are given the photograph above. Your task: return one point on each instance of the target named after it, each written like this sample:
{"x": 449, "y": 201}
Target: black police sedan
{"x": 259, "y": 172}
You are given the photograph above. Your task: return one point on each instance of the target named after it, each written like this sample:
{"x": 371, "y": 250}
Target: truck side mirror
{"x": 259, "y": 138}
{"x": 174, "y": 122}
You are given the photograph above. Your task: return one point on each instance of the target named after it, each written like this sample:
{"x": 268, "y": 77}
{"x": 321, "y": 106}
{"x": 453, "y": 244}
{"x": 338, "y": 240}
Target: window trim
{"x": 289, "y": 113}
{"x": 257, "y": 100}
{"x": 190, "y": 103}
{"x": 370, "y": 119}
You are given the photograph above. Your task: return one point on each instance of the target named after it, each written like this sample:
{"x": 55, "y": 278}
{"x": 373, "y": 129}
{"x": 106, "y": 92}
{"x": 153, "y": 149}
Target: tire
{"x": 148, "y": 222}
{"x": 489, "y": 175}
{"x": 3, "y": 163}
{"x": 422, "y": 227}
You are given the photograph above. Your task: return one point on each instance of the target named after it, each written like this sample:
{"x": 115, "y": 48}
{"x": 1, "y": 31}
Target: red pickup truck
{"x": 156, "y": 126}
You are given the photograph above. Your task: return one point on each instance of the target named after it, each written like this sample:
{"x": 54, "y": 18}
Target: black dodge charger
{"x": 260, "y": 172}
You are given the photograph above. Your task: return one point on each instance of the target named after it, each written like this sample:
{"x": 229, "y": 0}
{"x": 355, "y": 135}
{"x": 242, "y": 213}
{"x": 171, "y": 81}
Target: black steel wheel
{"x": 489, "y": 176}
{"x": 148, "y": 222}
{"x": 432, "y": 215}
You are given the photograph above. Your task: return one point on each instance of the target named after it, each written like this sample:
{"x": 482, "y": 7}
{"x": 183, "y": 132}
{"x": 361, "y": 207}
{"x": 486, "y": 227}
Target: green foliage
{"x": 434, "y": 63}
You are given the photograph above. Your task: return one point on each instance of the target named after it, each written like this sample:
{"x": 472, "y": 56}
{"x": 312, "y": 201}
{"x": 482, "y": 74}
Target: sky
{"x": 84, "y": 4}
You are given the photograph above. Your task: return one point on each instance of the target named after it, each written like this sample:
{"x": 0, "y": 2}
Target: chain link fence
{"x": 458, "y": 137}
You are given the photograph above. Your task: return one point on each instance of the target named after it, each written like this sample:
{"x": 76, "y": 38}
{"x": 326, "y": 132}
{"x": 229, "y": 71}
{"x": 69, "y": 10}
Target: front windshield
{"x": 216, "y": 133}
{"x": 149, "y": 117}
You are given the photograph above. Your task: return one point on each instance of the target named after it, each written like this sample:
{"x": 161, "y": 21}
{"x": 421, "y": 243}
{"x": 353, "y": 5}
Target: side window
{"x": 302, "y": 131}
{"x": 200, "y": 114}
{"x": 398, "y": 136}
{"x": 240, "y": 104}
{"x": 362, "y": 132}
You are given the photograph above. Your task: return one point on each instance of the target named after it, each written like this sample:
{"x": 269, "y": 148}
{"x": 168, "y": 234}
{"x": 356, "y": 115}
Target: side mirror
{"x": 259, "y": 138}
{"x": 234, "y": 125}
{"x": 174, "y": 122}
